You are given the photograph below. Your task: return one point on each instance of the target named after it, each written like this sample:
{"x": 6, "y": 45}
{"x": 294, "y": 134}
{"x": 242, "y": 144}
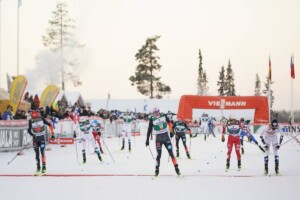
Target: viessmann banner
{"x": 258, "y": 103}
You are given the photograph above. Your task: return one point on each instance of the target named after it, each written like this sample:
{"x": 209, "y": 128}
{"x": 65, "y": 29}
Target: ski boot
{"x": 227, "y": 165}
{"x": 123, "y": 144}
{"x": 177, "y": 170}
{"x": 156, "y": 171}
{"x": 239, "y": 165}
{"x": 84, "y": 158}
{"x": 38, "y": 169}
{"x": 44, "y": 169}
{"x": 188, "y": 155}
{"x": 101, "y": 150}
{"x": 266, "y": 170}
{"x": 99, "y": 156}
{"x": 177, "y": 153}
{"x": 277, "y": 170}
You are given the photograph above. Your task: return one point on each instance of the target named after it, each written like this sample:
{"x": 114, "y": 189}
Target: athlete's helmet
{"x": 34, "y": 114}
{"x": 242, "y": 119}
{"x": 156, "y": 112}
{"x": 82, "y": 119}
{"x": 274, "y": 124}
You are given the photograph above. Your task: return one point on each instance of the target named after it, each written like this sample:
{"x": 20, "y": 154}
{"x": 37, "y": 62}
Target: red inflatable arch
{"x": 259, "y": 103}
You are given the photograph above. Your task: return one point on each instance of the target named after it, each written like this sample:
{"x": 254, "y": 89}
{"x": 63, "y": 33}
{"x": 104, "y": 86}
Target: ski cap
{"x": 274, "y": 124}
{"x": 34, "y": 114}
{"x": 95, "y": 123}
{"x": 155, "y": 111}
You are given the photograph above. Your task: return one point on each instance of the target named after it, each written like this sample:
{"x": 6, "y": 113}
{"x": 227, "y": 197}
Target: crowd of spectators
{"x": 61, "y": 110}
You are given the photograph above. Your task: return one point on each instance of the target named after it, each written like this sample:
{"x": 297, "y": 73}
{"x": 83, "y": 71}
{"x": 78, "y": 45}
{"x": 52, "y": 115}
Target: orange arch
{"x": 259, "y": 103}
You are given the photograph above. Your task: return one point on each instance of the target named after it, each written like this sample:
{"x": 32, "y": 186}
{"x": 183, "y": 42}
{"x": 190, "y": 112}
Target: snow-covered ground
{"x": 204, "y": 175}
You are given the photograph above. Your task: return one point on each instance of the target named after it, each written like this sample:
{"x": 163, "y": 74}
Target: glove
{"x": 223, "y": 138}
{"x": 266, "y": 147}
{"x": 249, "y": 139}
{"x": 191, "y": 136}
{"x": 277, "y": 147}
{"x": 147, "y": 142}
{"x": 74, "y": 135}
{"x": 52, "y": 137}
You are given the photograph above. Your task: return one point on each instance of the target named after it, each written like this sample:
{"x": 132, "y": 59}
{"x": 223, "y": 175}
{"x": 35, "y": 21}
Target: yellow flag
{"x": 16, "y": 91}
{"x": 49, "y": 95}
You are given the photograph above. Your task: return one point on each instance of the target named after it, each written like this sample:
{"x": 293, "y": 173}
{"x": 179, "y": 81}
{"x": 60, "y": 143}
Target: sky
{"x": 246, "y": 32}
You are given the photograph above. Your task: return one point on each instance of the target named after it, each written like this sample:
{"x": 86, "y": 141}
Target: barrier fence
{"x": 14, "y": 135}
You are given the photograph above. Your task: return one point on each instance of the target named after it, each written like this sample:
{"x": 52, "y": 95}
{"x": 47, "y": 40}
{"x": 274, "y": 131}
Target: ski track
{"x": 131, "y": 177}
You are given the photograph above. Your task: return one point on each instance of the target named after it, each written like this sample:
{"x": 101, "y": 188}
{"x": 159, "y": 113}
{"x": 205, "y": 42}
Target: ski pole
{"x": 19, "y": 152}
{"x": 76, "y": 151}
{"x": 191, "y": 143}
{"x": 108, "y": 150}
{"x": 151, "y": 152}
{"x": 290, "y": 139}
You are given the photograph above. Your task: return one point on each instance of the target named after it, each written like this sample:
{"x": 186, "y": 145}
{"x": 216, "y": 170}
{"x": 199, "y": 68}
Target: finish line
{"x": 125, "y": 175}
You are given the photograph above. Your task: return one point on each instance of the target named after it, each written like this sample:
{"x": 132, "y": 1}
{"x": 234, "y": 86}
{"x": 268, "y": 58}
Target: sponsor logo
{"x": 223, "y": 103}
{"x": 61, "y": 141}
{"x": 291, "y": 129}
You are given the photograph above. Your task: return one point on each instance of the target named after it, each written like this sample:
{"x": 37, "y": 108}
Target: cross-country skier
{"x": 170, "y": 116}
{"x": 126, "y": 128}
{"x": 37, "y": 129}
{"x": 246, "y": 132}
{"x": 162, "y": 126}
{"x": 96, "y": 127}
{"x": 180, "y": 128}
{"x": 204, "y": 120}
{"x": 85, "y": 130}
{"x": 211, "y": 126}
{"x": 232, "y": 128}
{"x": 269, "y": 138}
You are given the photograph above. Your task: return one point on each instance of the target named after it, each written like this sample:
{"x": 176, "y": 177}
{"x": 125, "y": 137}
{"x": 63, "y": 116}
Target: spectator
{"x": 90, "y": 112}
{"x": 8, "y": 115}
{"x": 18, "y": 115}
{"x": 31, "y": 101}
{"x": 26, "y": 96}
{"x": 23, "y": 114}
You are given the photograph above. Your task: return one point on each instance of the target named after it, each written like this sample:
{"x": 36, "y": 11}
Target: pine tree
{"x": 59, "y": 39}
{"x": 266, "y": 90}
{"x": 202, "y": 78}
{"x": 221, "y": 83}
{"x": 205, "y": 84}
{"x": 257, "y": 86}
{"x": 229, "y": 90}
{"x": 145, "y": 78}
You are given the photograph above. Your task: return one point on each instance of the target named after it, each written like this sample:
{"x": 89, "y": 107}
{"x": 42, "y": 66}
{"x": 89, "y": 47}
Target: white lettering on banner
{"x": 226, "y": 103}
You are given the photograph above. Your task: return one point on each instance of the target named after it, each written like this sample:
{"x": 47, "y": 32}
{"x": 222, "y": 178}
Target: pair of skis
{"x": 154, "y": 177}
{"x": 39, "y": 174}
